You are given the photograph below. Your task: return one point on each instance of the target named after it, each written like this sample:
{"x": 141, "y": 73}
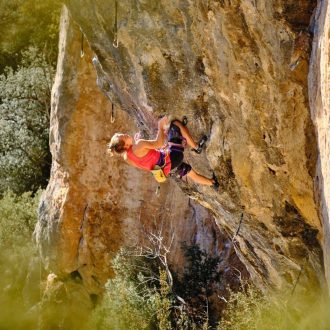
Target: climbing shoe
{"x": 215, "y": 184}
{"x": 200, "y": 145}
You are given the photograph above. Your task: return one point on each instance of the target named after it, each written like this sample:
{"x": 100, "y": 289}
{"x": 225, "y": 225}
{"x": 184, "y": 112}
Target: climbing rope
{"x": 297, "y": 280}
{"x": 233, "y": 239}
{"x": 115, "y": 28}
{"x": 82, "y": 53}
{"x": 112, "y": 118}
{"x": 238, "y": 228}
{"x": 40, "y": 276}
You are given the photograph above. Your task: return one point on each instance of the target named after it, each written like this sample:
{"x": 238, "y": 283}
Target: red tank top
{"x": 149, "y": 161}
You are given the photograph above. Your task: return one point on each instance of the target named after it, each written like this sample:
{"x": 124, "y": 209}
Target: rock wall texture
{"x": 238, "y": 71}
{"x": 319, "y": 96}
{"x": 95, "y": 204}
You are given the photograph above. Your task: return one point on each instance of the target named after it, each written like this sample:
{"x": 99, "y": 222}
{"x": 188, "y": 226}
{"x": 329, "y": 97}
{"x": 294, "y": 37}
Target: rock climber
{"x": 149, "y": 154}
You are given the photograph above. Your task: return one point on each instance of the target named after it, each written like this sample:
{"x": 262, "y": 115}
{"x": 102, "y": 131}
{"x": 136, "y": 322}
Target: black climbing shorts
{"x": 174, "y": 134}
{"x": 178, "y": 167}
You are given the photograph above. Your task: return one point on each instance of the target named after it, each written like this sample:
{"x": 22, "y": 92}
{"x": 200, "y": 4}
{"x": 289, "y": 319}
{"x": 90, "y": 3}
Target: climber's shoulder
{"x": 142, "y": 144}
{"x": 141, "y": 147}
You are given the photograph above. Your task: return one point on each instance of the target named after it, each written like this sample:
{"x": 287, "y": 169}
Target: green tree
{"x": 25, "y": 23}
{"x": 198, "y": 283}
{"x": 24, "y": 120}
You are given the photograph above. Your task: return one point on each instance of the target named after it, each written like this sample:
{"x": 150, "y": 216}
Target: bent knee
{"x": 184, "y": 169}
{"x": 177, "y": 123}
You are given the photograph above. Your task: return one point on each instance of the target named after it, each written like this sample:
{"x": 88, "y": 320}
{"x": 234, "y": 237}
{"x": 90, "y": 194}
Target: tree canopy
{"x": 28, "y": 51}
{"x": 24, "y": 121}
{"x": 25, "y": 23}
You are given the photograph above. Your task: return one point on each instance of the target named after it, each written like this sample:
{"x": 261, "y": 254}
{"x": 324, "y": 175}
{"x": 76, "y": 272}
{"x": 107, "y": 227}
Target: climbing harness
{"x": 178, "y": 146}
{"x": 115, "y": 28}
{"x": 112, "y": 117}
{"x": 82, "y": 53}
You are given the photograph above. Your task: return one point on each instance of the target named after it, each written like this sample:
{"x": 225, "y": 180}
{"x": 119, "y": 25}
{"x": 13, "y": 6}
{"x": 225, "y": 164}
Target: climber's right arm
{"x": 158, "y": 142}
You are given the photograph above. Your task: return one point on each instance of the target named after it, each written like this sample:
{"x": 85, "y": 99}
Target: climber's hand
{"x": 163, "y": 122}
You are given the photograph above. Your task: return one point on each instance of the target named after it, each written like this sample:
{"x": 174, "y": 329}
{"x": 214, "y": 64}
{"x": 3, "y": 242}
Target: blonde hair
{"x": 116, "y": 145}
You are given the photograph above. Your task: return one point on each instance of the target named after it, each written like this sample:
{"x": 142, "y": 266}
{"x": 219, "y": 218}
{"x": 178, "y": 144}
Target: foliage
{"x": 24, "y": 120}
{"x": 17, "y": 218}
{"x": 141, "y": 295}
{"x": 249, "y": 309}
{"x": 19, "y": 262}
{"x": 164, "y": 302}
{"x": 139, "y": 298}
{"x": 26, "y": 23}
{"x": 198, "y": 283}
{"x": 128, "y": 303}
{"x": 201, "y": 274}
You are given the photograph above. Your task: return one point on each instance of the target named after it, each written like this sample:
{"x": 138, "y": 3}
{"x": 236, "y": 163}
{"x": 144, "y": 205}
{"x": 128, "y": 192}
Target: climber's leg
{"x": 186, "y": 134}
{"x": 185, "y": 169}
{"x": 199, "y": 178}
{"x": 197, "y": 147}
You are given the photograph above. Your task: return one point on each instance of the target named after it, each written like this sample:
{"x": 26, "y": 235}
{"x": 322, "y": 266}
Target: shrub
{"x": 142, "y": 294}
{"x": 18, "y": 216}
{"x": 250, "y": 309}
{"x": 129, "y": 302}
{"x": 19, "y": 262}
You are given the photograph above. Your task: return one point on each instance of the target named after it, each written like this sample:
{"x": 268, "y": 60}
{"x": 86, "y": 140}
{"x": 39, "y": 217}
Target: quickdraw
{"x": 115, "y": 28}
{"x": 82, "y": 53}
{"x": 112, "y": 117}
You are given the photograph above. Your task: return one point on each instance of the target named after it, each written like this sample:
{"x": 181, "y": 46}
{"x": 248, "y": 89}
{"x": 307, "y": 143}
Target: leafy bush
{"x": 249, "y": 309}
{"x": 17, "y": 218}
{"x": 141, "y": 297}
{"x": 19, "y": 262}
{"x": 24, "y": 120}
{"x": 128, "y": 302}
{"x": 142, "y": 294}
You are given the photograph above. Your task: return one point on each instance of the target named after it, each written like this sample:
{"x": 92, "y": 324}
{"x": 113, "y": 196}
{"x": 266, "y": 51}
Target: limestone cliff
{"x": 238, "y": 70}
{"x": 95, "y": 204}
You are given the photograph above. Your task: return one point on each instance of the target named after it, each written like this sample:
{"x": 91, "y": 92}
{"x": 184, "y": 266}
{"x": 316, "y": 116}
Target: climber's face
{"x": 127, "y": 139}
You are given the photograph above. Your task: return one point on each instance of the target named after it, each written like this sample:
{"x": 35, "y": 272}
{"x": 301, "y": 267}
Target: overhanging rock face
{"x": 238, "y": 71}
{"x": 95, "y": 204}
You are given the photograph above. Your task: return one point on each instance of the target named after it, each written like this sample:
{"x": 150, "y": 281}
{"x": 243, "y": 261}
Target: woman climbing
{"x": 151, "y": 154}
